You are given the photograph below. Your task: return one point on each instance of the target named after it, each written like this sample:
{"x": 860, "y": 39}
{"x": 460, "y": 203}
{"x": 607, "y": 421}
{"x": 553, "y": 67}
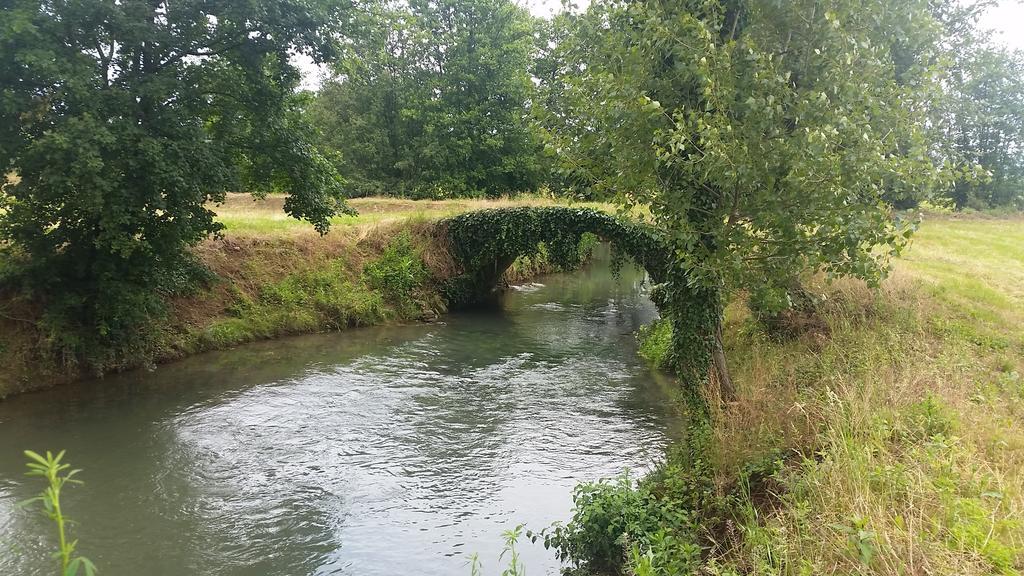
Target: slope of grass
{"x": 889, "y": 440}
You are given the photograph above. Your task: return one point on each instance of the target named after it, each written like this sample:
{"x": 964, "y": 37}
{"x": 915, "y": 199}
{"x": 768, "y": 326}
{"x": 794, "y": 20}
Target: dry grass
{"x": 242, "y": 213}
{"x": 901, "y": 434}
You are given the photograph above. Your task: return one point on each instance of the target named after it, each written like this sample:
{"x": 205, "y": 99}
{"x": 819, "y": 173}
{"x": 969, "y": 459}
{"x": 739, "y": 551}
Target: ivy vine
{"x": 485, "y": 242}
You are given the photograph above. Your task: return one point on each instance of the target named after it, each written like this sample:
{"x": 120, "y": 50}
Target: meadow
{"x": 244, "y": 214}
{"x": 885, "y": 436}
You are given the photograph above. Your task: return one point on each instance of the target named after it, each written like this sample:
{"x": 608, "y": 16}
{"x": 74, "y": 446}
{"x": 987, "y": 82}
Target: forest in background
{"x": 470, "y": 98}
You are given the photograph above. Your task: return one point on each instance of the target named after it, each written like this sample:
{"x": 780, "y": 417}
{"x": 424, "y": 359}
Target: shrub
{"x": 616, "y": 525}
{"x": 398, "y": 271}
{"x": 655, "y": 341}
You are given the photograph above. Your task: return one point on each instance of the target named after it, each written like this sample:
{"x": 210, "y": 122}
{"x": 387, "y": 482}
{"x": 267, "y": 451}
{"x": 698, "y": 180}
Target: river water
{"x": 378, "y": 451}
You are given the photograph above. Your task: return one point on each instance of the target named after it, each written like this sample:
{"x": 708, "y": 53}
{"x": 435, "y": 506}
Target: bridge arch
{"x": 484, "y": 244}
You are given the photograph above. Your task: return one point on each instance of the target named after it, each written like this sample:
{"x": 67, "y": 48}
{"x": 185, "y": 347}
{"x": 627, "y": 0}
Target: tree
{"x": 123, "y": 121}
{"x": 433, "y": 97}
{"x": 477, "y": 137}
{"x": 982, "y": 121}
{"x": 368, "y": 114}
{"x": 762, "y": 135}
{"x": 558, "y": 62}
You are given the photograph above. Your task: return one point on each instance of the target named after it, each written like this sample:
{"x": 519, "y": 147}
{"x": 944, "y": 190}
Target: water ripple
{"x": 380, "y": 451}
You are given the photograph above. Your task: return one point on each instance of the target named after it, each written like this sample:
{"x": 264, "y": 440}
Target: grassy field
{"x": 243, "y": 214}
{"x": 896, "y": 426}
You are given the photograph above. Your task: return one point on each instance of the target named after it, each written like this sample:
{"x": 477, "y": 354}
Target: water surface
{"x": 380, "y": 451}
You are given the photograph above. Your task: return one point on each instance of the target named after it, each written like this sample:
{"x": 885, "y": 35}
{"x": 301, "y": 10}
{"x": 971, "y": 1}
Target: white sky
{"x": 1006, "y": 19}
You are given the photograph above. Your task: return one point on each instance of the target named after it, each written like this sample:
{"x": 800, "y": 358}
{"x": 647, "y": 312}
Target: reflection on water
{"x": 381, "y": 451}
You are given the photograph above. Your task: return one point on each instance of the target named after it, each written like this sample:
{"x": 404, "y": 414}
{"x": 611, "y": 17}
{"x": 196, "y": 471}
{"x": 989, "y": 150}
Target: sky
{"x": 1006, "y": 19}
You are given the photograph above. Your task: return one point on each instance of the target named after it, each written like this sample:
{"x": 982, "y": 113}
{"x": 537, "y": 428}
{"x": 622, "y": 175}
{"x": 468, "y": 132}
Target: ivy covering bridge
{"x": 486, "y": 242}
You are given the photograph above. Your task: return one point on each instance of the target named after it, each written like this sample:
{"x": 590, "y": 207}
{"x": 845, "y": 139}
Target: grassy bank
{"x": 883, "y": 436}
{"x": 898, "y": 425}
{"x": 273, "y": 276}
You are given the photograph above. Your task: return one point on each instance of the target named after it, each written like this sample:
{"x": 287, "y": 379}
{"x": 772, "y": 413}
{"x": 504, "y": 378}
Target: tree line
{"x": 432, "y": 99}
{"x": 766, "y": 138}
{"x": 471, "y": 98}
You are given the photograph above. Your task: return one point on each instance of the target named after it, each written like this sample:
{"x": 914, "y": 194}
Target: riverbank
{"x": 880, "y": 435}
{"x": 900, "y": 433}
{"x": 273, "y": 276}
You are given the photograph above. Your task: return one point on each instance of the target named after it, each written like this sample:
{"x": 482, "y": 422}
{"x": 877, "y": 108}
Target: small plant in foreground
{"x": 515, "y": 565}
{"x": 57, "y": 474}
{"x": 861, "y": 540}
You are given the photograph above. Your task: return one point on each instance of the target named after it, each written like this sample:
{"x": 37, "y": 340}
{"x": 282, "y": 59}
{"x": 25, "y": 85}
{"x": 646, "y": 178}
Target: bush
{"x": 619, "y": 525}
{"x": 398, "y": 272}
{"x": 655, "y": 341}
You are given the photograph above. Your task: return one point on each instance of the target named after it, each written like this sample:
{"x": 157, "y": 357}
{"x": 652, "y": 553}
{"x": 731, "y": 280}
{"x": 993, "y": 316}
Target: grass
{"x": 883, "y": 435}
{"x": 274, "y": 285}
{"x": 897, "y": 432}
{"x": 241, "y": 213}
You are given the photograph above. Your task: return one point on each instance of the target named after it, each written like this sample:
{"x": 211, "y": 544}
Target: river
{"x": 378, "y": 451}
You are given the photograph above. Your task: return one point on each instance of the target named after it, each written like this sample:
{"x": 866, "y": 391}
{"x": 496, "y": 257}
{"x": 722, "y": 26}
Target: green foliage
{"x": 982, "y": 120}
{"x": 763, "y": 136}
{"x": 398, "y": 272}
{"x": 528, "y": 266}
{"x": 860, "y": 538}
{"x": 486, "y": 242}
{"x": 122, "y": 121}
{"x": 651, "y": 527}
{"x": 930, "y": 418}
{"x": 606, "y": 515}
{"x": 664, "y": 524}
{"x": 57, "y": 475}
{"x": 431, "y": 100}
{"x": 655, "y": 341}
{"x": 311, "y": 301}
{"x": 515, "y": 565}
{"x": 326, "y": 298}
{"x": 611, "y": 518}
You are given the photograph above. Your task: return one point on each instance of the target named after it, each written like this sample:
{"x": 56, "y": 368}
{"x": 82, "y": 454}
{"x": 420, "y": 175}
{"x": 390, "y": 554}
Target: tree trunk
{"x": 721, "y": 370}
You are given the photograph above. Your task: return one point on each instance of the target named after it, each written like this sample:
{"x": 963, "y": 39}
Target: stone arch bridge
{"x": 485, "y": 243}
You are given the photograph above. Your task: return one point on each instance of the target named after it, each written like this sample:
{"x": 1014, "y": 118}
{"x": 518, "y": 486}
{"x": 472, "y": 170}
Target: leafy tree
{"x": 432, "y": 99}
{"x": 477, "y": 136}
{"x": 762, "y": 135}
{"x": 368, "y": 114}
{"x": 558, "y": 62}
{"x": 983, "y": 123}
{"x": 123, "y": 121}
